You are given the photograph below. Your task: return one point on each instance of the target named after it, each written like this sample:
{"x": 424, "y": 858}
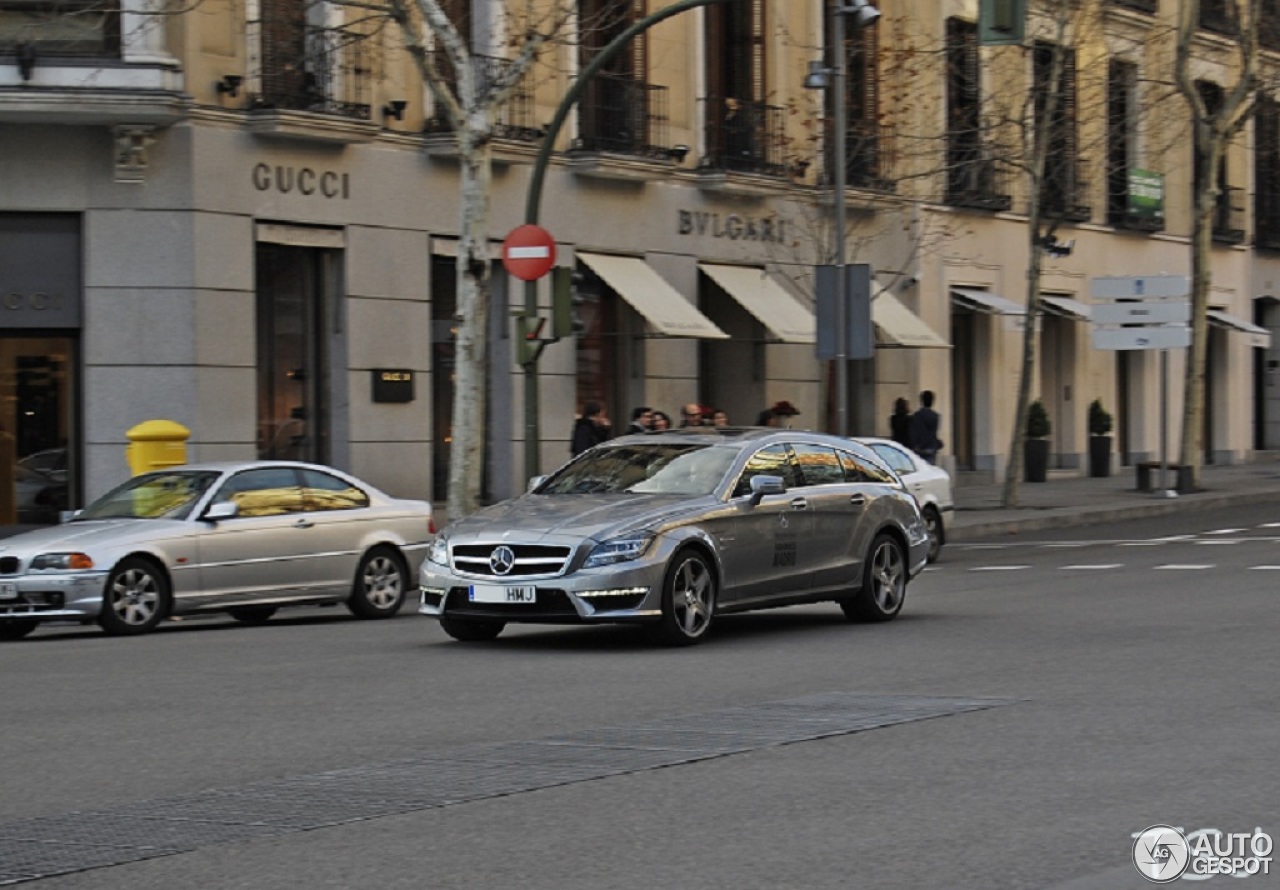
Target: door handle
{"x": 303, "y": 523}
{"x": 858, "y": 500}
{"x": 799, "y": 504}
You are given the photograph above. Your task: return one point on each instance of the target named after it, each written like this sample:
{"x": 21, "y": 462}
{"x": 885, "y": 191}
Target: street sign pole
{"x": 1165, "y": 491}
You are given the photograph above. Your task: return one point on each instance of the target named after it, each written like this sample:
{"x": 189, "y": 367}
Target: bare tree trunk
{"x": 1191, "y": 449}
{"x": 466, "y": 463}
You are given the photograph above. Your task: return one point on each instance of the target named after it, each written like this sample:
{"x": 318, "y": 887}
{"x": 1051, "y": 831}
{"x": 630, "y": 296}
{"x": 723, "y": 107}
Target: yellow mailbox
{"x": 156, "y": 444}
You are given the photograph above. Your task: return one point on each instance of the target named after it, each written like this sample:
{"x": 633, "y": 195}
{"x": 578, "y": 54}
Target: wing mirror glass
{"x": 763, "y": 485}
{"x": 221, "y": 510}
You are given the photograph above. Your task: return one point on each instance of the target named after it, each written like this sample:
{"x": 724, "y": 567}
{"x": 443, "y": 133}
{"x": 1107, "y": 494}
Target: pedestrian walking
{"x": 590, "y": 429}
{"x": 900, "y": 422}
{"x": 924, "y": 429}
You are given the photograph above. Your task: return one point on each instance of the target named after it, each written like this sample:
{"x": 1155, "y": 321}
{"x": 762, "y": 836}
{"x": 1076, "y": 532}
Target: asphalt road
{"x": 1129, "y": 670}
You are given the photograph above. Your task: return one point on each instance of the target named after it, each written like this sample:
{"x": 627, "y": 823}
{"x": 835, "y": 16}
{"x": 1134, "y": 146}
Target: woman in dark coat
{"x": 900, "y": 422}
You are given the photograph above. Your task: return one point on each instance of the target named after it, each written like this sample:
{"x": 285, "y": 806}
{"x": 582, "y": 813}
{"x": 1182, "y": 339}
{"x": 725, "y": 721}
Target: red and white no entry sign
{"x": 529, "y": 252}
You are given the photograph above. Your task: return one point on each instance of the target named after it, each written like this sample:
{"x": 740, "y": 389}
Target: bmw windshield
{"x": 167, "y": 495}
{"x": 669, "y": 468}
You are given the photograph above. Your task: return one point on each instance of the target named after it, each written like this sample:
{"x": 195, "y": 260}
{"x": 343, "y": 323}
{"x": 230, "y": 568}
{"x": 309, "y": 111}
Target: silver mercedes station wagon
{"x": 673, "y": 528}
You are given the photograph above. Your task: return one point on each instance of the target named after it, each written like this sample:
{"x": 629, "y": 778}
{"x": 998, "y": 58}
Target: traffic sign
{"x": 1173, "y": 336}
{"x": 529, "y": 252}
{"x": 1142, "y": 312}
{"x": 1111, "y": 287}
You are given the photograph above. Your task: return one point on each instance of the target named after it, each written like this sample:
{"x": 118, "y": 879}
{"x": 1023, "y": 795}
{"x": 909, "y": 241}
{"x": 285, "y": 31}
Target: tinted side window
{"x": 270, "y": 491}
{"x": 774, "y": 460}
{"x": 858, "y": 470}
{"x": 896, "y": 458}
{"x": 320, "y": 491}
{"x": 819, "y": 464}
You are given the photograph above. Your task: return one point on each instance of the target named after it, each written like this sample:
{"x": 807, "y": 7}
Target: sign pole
{"x": 1165, "y": 491}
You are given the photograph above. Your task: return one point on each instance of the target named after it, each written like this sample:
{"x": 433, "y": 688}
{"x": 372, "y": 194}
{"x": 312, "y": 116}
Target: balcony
{"x": 744, "y": 146}
{"x": 868, "y": 156}
{"x": 87, "y": 63}
{"x": 1267, "y": 219}
{"x": 1228, "y": 216}
{"x": 1148, "y": 6}
{"x": 516, "y": 131}
{"x": 310, "y": 83}
{"x": 976, "y": 182}
{"x": 622, "y": 130}
{"x": 1066, "y": 189}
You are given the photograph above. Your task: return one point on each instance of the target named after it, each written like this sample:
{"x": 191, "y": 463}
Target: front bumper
{"x": 50, "y": 596}
{"x": 630, "y": 591}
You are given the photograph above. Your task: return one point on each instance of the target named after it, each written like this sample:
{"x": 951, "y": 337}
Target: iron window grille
{"x": 60, "y": 28}
{"x": 305, "y": 67}
{"x": 624, "y": 115}
{"x": 516, "y": 119}
{"x": 743, "y": 137}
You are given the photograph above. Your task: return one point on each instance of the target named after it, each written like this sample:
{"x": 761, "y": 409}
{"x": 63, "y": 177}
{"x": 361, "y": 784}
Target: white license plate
{"x": 496, "y": 593}
{"x": 8, "y": 590}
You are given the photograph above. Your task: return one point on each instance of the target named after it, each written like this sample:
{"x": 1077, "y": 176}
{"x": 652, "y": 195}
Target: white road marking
{"x": 997, "y": 568}
{"x": 1110, "y": 565}
{"x": 1264, "y": 568}
{"x": 1226, "y": 531}
{"x": 1219, "y": 541}
{"x": 1185, "y": 566}
{"x": 1270, "y": 525}
{"x": 1064, "y": 545}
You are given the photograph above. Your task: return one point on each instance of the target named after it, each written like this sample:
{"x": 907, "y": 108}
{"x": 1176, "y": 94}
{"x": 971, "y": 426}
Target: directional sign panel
{"x": 1142, "y": 312}
{"x": 1112, "y": 287}
{"x": 1153, "y": 337}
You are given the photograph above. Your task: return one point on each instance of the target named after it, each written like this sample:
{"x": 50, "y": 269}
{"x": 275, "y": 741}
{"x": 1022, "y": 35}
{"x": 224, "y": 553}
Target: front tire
{"x": 688, "y": 599}
{"x": 884, "y": 583}
{"x": 468, "y": 630}
{"x": 16, "y": 628}
{"x": 380, "y": 585}
{"x": 136, "y": 598}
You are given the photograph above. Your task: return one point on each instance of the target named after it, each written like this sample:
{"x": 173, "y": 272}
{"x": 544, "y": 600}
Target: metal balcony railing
{"x": 1066, "y": 189}
{"x": 743, "y": 137}
{"x": 1266, "y": 219}
{"x": 76, "y": 28}
{"x": 516, "y": 119}
{"x": 868, "y": 156}
{"x": 302, "y": 68}
{"x": 1139, "y": 5}
{"x": 624, "y": 116}
{"x": 974, "y": 180}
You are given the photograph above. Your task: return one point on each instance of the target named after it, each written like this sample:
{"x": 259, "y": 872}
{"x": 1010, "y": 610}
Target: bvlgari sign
{"x": 733, "y": 226}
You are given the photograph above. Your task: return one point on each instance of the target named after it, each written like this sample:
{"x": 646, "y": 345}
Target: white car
{"x": 930, "y": 484}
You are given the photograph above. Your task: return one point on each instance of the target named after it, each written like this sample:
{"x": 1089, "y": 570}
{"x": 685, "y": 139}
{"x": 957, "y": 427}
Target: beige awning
{"x": 1067, "y": 307}
{"x": 667, "y": 312}
{"x": 1258, "y": 336}
{"x": 986, "y": 302}
{"x": 785, "y": 317}
{"x": 899, "y": 326}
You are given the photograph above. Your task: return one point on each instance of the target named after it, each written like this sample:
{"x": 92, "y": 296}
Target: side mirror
{"x": 221, "y": 510}
{"x": 763, "y": 485}
{"x": 534, "y": 483}
{"x": 67, "y": 515}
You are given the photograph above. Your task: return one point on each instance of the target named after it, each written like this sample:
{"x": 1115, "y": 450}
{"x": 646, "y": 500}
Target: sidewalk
{"x": 1066, "y": 500}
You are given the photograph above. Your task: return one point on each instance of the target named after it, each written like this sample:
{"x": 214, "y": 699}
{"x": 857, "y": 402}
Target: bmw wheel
{"x": 381, "y": 582}
{"x": 688, "y": 599}
{"x": 884, "y": 583}
{"x": 16, "y": 628}
{"x": 136, "y": 598}
{"x": 937, "y": 535}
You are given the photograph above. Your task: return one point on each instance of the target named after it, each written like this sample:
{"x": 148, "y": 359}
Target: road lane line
{"x": 1110, "y": 565}
{"x": 997, "y": 568}
{"x": 1185, "y": 567}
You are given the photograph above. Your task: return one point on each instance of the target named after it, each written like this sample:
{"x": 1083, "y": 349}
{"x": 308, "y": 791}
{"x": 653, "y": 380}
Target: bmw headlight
{"x": 623, "y": 549}
{"x": 439, "y": 552}
{"x": 63, "y": 561}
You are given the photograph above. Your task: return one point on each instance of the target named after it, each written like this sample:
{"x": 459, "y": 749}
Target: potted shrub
{"x": 1099, "y": 440}
{"x": 1036, "y": 447}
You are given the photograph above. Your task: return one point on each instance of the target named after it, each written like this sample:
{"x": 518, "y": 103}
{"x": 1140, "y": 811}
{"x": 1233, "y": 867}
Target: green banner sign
{"x": 1146, "y": 195}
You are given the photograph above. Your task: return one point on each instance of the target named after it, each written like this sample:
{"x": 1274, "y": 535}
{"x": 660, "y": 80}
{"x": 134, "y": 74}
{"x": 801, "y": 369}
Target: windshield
{"x": 167, "y": 495}
{"x": 649, "y": 468}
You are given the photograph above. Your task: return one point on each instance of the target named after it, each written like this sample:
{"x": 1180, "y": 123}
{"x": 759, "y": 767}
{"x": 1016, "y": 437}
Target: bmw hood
{"x": 88, "y": 534}
{"x": 559, "y": 517}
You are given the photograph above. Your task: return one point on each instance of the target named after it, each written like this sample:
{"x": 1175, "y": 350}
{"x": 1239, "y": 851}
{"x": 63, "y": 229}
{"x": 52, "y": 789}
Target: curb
{"x": 1078, "y": 516}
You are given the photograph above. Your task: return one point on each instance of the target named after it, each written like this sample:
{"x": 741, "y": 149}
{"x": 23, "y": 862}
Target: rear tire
{"x": 380, "y": 585}
{"x": 136, "y": 598}
{"x": 937, "y": 534}
{"x": 469, "y": 630}
{"x": 688, "y": 599}
{"x": 16, "y": 628}
{"x": 884, "y": 583}
{"x": 252, "y": 614}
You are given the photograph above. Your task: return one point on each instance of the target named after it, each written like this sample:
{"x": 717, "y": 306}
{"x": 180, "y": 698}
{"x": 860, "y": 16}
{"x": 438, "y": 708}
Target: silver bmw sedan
{"x": 671, "y": 529}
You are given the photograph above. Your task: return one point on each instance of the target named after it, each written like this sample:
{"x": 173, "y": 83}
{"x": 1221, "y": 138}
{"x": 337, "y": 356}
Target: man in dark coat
{"x": 924, "y": 429}
{"x": 590, "y": 429}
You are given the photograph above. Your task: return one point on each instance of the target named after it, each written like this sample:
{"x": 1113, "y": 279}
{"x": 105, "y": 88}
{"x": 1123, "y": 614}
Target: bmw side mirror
{"x": 763, "y": 485}
{"x": 221, "y": 510}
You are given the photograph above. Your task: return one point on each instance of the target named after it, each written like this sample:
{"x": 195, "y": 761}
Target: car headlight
{"x": 618, "y": 550}
{"x": 439, "y": 552}
{"x": 63, "y": 561}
